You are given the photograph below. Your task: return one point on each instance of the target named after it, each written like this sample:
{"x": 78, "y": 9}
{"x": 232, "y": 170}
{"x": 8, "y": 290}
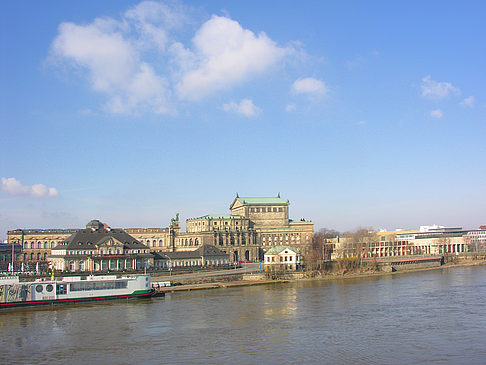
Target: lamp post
{"x": 170, "y": 264}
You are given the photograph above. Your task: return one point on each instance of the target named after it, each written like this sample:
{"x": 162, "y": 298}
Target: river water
{"x": 436, "y": 316}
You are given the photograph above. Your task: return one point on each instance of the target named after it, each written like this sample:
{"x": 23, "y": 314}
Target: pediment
{"x": 236, "y": 204}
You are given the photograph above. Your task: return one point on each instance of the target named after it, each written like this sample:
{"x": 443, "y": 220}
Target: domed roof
{"x": 95, "y": 224}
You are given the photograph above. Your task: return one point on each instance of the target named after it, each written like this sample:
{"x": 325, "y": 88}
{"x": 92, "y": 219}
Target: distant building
{"x": 435, "y": 228}
{"x": 204, "y": 256}
{"x": 100, "y": 248}
{"x": 476, "y": 239}
{"x": 282, "y": 257}
{"x": 429, "y": 240}
{"x": 252, "y": 227}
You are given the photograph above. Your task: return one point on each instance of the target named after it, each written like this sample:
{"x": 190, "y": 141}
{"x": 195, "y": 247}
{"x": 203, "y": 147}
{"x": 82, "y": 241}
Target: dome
{"x": 95, "y": 224}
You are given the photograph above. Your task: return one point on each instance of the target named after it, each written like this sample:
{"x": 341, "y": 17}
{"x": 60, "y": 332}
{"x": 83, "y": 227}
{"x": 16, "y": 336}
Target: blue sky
{"x": 360, "y": 113}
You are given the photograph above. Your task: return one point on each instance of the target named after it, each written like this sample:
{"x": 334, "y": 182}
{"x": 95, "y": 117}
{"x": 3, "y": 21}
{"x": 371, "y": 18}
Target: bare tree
{"x": 359, "y": 242}
{"x": 320, "y": 249}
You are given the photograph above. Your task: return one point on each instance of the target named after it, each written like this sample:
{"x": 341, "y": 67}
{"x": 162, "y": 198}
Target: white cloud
{"x": 468, "y": 102}
{"x": 436, "y": 113}
{"x": 153, "y": 21}
{"x": 309, "y": 86}
{"x": 114, "y": 67}
{"x": 137, "y": 63}
{"x": 437, "y": 90}
{"x": 290, "y": 107}
{"x": 245, "y": 107}
{"x": 226, "y": 54}
{"x": 12, "y": 186}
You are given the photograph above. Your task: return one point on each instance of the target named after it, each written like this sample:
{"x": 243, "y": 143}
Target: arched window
{"x": 38, "y": 256}
{"x": 45, "y": 256}
{"x": 196, "y": 242}
{"x": 45, "y": 244}
{"x": 39, "y": 244}
{"x": 161, "y": 243}
{"x": 32, "y": 244}
{"x": 190, "y": 242}
{"x": 25, "y": 257}
{"x": 154, "y": 243}
{"x": 32, "y": 256}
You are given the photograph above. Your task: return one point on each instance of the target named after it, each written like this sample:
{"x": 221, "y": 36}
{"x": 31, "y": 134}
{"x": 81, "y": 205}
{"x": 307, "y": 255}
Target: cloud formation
{"x": 468, "y": 102}
{"x": 437, "y": 90}
{"x": 12, "y": 186}
{"x": 226, "y": 54}
{"x": 245, "y": 107}
{"x": 290, "y": 107}
{"x": 113, "y": 60}
{"x": 138, "y": 64}
{"x": 437, "y": 114}
{"x": 309, "y": 86}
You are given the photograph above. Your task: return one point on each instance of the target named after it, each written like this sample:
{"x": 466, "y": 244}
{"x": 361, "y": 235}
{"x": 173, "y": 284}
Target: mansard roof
{"x": 260, "y": 201}
{"x": 89, "y": 239}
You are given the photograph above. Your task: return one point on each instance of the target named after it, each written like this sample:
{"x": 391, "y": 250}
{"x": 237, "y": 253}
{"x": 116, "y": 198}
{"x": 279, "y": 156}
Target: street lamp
{"x": 170, "y": 264}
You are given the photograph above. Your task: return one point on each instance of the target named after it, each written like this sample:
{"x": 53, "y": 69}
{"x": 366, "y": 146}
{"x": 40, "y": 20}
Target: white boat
{"x": 14, "y": 293}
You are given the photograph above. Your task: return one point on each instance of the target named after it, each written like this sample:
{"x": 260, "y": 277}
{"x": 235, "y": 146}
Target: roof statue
{"x": 176, "y": 219}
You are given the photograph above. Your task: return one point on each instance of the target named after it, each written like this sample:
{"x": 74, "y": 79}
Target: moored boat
{"x": 14, "y": 293}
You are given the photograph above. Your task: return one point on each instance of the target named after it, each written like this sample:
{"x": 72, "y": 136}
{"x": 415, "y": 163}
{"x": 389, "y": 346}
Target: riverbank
{"x": 218, "y": 285}
{"x": 228, "y": 283}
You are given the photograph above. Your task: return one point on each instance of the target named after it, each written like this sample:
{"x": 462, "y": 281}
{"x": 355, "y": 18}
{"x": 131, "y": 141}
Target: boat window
{"x": 38, "y": 288}
{"x": 49, "y": 288}
{"x": 61, "y": 289}
{"x": 99, "y": 285}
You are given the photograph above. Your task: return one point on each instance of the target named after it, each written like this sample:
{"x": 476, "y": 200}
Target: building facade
{"x": 253, "y": 225}
{"x": 100, "y": 248}
{"x": 282, "y": 257}
{"x": 425, "y": 241}
{"x": 204, "y": 256}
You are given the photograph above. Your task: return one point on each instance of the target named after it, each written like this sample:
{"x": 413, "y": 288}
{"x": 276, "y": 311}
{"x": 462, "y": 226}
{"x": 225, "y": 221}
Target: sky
{"x": 362, "y": 114}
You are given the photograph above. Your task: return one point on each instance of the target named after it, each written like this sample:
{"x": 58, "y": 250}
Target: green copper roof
{"x": 277, "y": 249}
{"x": 249, "y": 200}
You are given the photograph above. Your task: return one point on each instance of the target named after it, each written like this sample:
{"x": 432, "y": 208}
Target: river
{"x": 436, "y": 316}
